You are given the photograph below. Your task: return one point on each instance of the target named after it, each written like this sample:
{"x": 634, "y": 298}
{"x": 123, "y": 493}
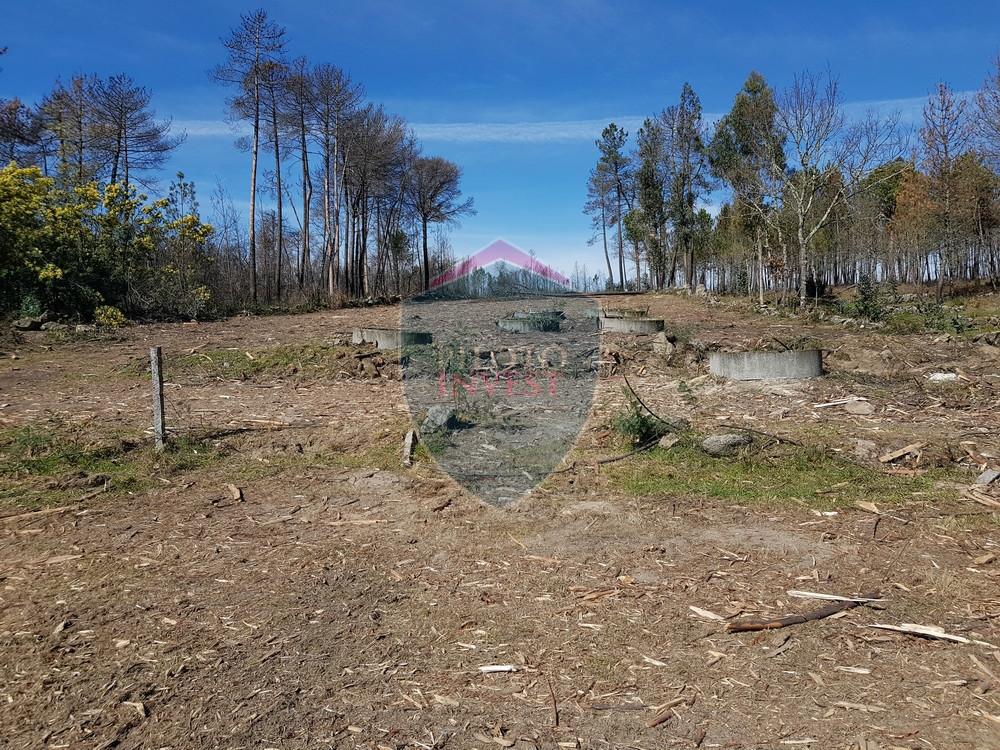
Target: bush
{"x": 637, "y": 425}
{"x": 872, "y": 301}
{"x": 941, "y": 318}
{"x": 109, "y": 317}
{"x": 31, "y": 307}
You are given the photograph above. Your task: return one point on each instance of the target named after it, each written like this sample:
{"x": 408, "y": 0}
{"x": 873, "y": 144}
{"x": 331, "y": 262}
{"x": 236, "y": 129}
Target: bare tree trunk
{"x": 253, "y": 187}
{"x": 760, "y": 268}
{"x": 621, "y": 243}
{"x": 306, "y": 199}
{"x": 427, "y": 257}
{"x": 280, "y": 228}
{"x": 638, "y": 267}
{"x": 604, "y": 235}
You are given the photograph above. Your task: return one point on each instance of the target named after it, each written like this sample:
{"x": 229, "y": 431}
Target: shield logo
{"x": 500, "y": 362}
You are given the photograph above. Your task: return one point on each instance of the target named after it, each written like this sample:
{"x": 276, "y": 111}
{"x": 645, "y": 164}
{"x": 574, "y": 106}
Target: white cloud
{"x": 208, "y": 128}
{"x": 520, "y": 132}
{"x": 552, "y": 131}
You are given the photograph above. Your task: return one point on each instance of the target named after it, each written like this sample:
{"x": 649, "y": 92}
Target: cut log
{"x": 749, "y": 626}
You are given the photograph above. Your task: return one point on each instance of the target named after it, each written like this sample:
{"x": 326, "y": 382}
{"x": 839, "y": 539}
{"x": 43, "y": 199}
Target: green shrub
{"x": 109, "y": 317}
{"x": 637, "y": 425}
{"x": 938, "y": 317}
{"x": 872, "y": 300}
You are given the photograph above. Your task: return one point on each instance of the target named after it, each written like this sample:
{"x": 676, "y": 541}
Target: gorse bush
{"x": 73, "y": 251}
{"x": 110, "y": 317}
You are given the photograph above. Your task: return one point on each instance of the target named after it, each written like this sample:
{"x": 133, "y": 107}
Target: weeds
{"x": 45, "y": 465}
{"x": 636, "y": 425}
{"x": 316, "y": 360}
{"x": 805, "y": 475}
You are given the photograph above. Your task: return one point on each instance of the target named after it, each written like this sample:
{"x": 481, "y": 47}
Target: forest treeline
{"x": 342, "y": 201}
{"x": 817, "y": 195}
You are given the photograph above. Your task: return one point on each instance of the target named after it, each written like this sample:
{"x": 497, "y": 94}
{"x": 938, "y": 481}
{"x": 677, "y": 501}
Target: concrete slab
{"x": 529, "y": 324}
{"x": 389, "y": 338}
{"x": 807, "y": 363}
{"x": 631, "y": 325}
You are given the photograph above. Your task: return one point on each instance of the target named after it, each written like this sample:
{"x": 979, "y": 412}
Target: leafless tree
{"x": 256, "y": 43}
{"x": 436, "y": 197}
{"x": 946, "y": 135}
{"x": 988, "y": 114}
{"x": 822, "y": 162}
{"x": 126, "y": 134}
{"x": 334, "y": 102}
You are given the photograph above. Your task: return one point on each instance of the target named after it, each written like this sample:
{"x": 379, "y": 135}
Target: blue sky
{"x": 515, "y": 92}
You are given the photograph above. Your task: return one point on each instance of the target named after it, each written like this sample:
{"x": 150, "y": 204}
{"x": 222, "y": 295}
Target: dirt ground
{"x": 347, "y": 602}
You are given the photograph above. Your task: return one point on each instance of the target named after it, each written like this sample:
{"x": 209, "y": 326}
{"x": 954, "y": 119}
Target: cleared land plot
{"x": 338, "y": 600}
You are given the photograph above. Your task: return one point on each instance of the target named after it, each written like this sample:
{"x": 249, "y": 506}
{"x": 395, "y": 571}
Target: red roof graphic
{"x": 492, "y": 253}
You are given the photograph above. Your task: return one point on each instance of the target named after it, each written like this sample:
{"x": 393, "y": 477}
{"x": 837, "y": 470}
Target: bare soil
{"x": 348, "y": 602}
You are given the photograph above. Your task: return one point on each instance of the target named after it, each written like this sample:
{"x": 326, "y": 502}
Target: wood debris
{"x": 708, "y": 615}
{"x": 829, "y": 597}
{"x": 409, "y": 446}
{"x": 665, "y": 711}
{"x": 747, "y": 626}
{"x": 929, "y": 631}
{"x": 898, "y": 454}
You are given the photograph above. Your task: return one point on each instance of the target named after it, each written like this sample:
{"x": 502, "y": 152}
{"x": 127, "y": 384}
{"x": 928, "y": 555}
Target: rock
{"x": 439, "y": 417}
{"x": 668, "y": 441}
{"x": 990, "y": 475}
{"x": 865, "y": 449}
{"x": 54, "y": 326}
{"x": 725, "y": 445}
{"x": 942, "y": 377}
{"x": 27, "y": 324}
{"x": 860, "y": 408}
{"x": 85, "y": 328}
{"x": 663, "y": 345}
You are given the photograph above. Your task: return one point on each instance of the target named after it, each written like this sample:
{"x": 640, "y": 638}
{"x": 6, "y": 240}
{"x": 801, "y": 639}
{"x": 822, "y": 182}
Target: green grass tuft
{"x": 800, "y": 475}
{"x": 38, "y": 463}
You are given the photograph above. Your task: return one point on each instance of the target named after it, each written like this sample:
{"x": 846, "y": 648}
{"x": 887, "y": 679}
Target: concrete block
{"x": 807, "y": 363}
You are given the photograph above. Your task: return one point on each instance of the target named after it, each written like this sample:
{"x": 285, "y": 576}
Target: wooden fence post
{"x": 156, "y": 370}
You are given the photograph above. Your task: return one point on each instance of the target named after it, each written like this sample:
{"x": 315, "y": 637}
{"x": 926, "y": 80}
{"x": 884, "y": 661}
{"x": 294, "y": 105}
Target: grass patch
{"x": 53, "y": 465}
{"x": 800, "y": 475}
{"x": 306, "y": 360}
{"x": 309, "y": 359}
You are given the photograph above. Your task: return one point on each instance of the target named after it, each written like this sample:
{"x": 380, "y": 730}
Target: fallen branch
{"x": 665, "y": 711}
{"x": 555, "y": 704}
{"x": 61, "y": 509}
{"x": 640, "y": 449}
{"x": 749, "y": 626}
{"x": 929, "y": 631}
{"x": 830, "y": 597}
{"x": 674, "y": 425}
{"x": 37, "y": 513}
